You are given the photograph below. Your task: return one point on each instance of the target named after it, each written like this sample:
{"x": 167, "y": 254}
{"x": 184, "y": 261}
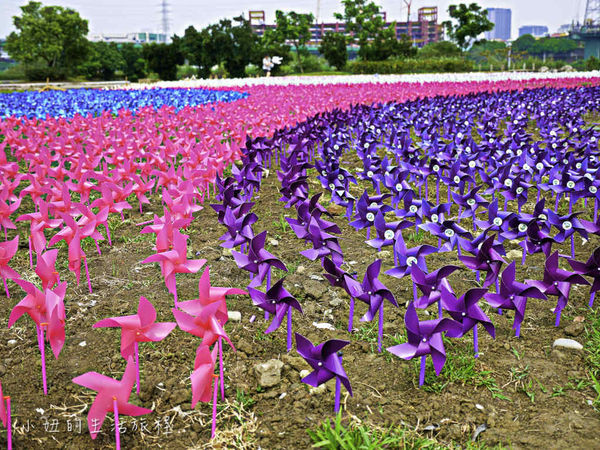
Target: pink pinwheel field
{"x": 139, "y": 282}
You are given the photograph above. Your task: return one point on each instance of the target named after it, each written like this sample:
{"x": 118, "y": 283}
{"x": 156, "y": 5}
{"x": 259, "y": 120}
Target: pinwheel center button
{"x": 319, "y": 364}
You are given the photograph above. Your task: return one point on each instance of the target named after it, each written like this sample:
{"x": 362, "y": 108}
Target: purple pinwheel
{"x": 498, "y": 221}
{"x": 324, "y": 244}
{"x": 557, "y": 282}
{"x": 513, "y": 295}
{"x": 514, "y": 188}
{"x": 258, "y": 261}
{"x": 326, "y": 361}
{"x": 567, "y": 226}
{"x": 536, "y": 241}
{"x": 239, "y": 229}
{"x": 340, "y": 278}
{"x": 373, "y": 293}
{"x": 430, "y": 285}
{"x": 471, "y": 201}
{"x": 425, "y": 338}
{"x": 278, "y": 302}
{"x": 366, "y": 208}
{"x": 485, "y": 259}
{"x": 465, "y": 310}
{"x": 387, "y": 232}
{"x": 405, "y": 258}
{"x": 449, "y": 231}
{"x": 591, "y": 269}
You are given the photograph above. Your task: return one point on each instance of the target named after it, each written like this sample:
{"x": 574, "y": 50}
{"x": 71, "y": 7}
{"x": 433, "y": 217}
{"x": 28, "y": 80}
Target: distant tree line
{"x": 50, "y": 43}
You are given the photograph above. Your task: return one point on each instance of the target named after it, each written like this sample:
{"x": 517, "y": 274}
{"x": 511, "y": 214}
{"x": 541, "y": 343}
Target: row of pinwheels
{"x": 487, "y": 250}
{"x": 93, "y": 102}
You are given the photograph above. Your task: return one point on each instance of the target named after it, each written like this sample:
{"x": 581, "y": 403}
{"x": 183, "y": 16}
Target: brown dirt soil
{"x": 528, "y": 395}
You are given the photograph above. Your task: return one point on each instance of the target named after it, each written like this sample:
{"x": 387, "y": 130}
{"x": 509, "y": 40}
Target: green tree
{"x": 295, "y": 28}
{"x": 231, "y": 43}
{"x": 164, "y": 58}
{"x": 440, "y": 49}
{"x": 103, "y": 61}
{"x": 333, "y": 48}
{"x": 135, "y": 64}
{"x": 51, "y": 38}
{"x": 524, "y": 43}
{"x": 467, "y": 22}
{"x": 364, "y": 21}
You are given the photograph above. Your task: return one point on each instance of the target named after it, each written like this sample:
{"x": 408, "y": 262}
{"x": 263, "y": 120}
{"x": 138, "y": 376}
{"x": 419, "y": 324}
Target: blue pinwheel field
{"x": 426, "y": 268}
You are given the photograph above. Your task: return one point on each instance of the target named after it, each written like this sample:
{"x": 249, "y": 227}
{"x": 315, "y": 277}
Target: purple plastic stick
{"x": 518, "y": 330}
{"x": 338, "y": 388}
{"x": 557, "y": 321}
{"x": 351, "y": 316}
{"x": 422, "y": 373}
{"x": 592, "y": 295}
{"x": 289, "y": 329}
{"x": 117, "y": 433}
{"x": 380, "y": 329}
{"x": 214, "y": 412}
{"x": 475, "y": 341}
{"x": 440, "y": 309}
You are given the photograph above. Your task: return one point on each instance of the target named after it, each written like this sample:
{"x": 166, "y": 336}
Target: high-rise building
{"x": 501, "y": 18}
{"x": 534, "y": 30}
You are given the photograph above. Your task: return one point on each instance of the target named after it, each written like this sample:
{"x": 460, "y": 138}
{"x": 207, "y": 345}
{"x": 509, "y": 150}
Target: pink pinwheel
{"x": 140, "y": 327}
{"x": 202, "y": 378}
{"x": 39, "y": 221}
{"x": 164, "y": 227}
{"x": 113, "y": 395}
{"x": 175, "y": 261}
{"x": 46, "y": 309}
{"x": 46, "y": 269}
{"x": 6, "y": 209}
{"x": 7, "y": 251}
{"x": 5, "y": 417}
{"x": 141, "y": 188}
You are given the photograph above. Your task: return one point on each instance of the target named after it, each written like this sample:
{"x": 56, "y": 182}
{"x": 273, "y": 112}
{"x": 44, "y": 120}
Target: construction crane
{"x": 589, "y": 31}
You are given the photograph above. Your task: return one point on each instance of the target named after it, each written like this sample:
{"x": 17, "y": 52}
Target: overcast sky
{"x": 114, "y": 16}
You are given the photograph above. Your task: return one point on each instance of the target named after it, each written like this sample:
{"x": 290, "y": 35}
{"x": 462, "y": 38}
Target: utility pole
{"x": 408, "y": 4}
{"x": 164, "y": 10}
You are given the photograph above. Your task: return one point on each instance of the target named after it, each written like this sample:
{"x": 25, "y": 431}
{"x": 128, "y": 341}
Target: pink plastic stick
{"x": 221, "y": 367}
{"x": 43, "y": 353}
{"x": 107, "y": 233}
{"x": 30, "y": 254}
{"x": 6, "y": 287}
{"x": 214, "y": 418}
{"x": 137, "y": 368}
{"x": 8, "y": 424}
{"x": 87, "y": 274}
{"x": 117, "y": 434}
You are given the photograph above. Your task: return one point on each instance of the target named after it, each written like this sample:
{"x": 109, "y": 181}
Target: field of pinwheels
{"x": 229, "y": 267}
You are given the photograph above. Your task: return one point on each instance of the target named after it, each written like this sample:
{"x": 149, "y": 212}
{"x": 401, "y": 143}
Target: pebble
{"x": 574, "y": 329}
{"x": 82, "y": 344}
{"x": 304, "y": 373}
{"x": 273, "y": 242}
{"x": 514, "y": 254}
{"x": 12, "y": 342}
{"x": 324, "y": 326}
{"x": 234, "y": 316}
{"x": 317, "y": 277}
{"x": 300, "y": 269}
{"x": 269, "y": 373}
{"x": 567, "y": 343}
{"x": 336, "y": 301}
{"x": 479, "y": 407}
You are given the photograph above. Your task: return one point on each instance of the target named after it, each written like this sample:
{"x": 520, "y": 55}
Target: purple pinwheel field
{"x": 420, "y": 259}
